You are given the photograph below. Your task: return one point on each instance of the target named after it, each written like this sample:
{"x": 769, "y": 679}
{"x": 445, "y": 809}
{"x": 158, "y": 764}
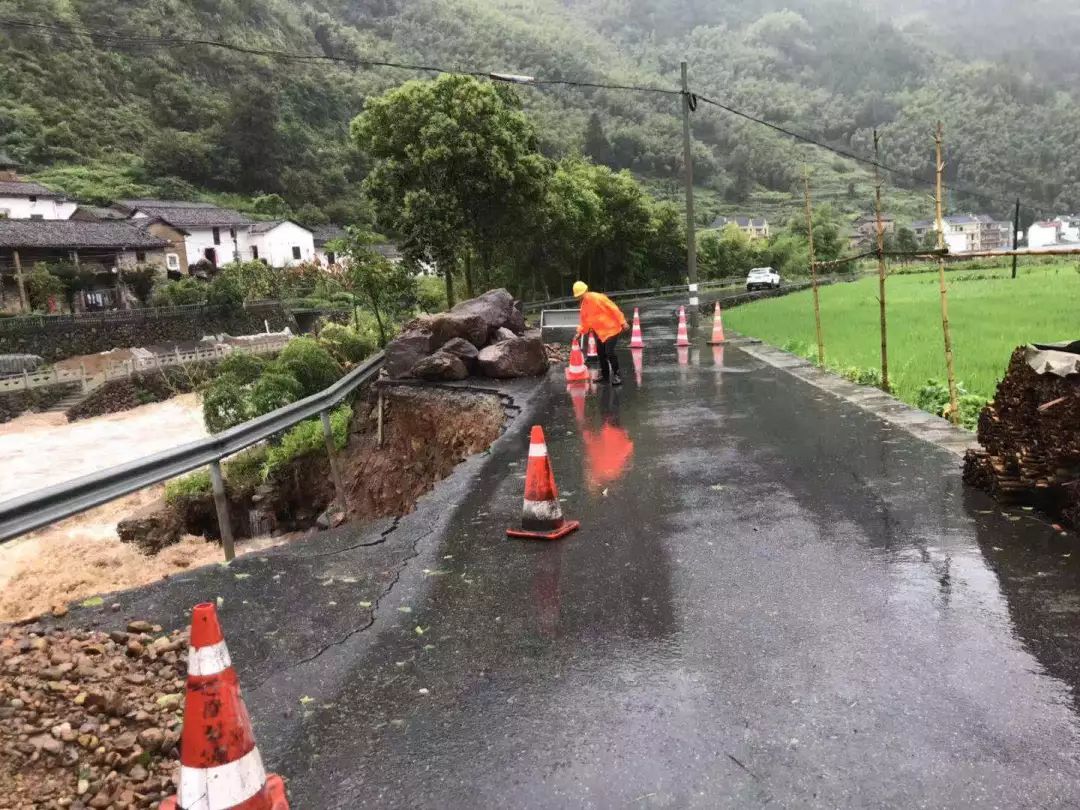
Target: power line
{"x": 175, "y": 41}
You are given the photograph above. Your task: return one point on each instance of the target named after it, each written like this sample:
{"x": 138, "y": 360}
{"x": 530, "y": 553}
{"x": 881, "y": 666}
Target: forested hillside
{"x": 121, "y": 115}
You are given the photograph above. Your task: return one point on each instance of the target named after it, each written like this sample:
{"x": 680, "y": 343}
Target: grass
{"x": 990, "y": 315}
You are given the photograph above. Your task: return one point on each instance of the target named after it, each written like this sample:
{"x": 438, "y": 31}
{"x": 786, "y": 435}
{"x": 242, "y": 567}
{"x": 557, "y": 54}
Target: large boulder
{"x": 406, "y": 350}
{"x": 501, "y": 334}
{"x": 516, "y": 322}
{"x": 520, "y": 357}
{"x": 470, "y": 326}
{"x": 152, "y": 527}
{"x": 496, "y": 307}
{"x": 440, "y": 366}
{"x": 463, "y": 349}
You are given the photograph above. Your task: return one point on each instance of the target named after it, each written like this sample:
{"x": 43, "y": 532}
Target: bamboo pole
{"x": 24, "y": 301}
{"x": 813, "y": 268}
{"x": 954, "y": 404}
{"x": 881, "y": 265}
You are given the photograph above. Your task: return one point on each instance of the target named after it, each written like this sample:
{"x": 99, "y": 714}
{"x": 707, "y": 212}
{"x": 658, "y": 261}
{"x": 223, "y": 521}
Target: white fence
{"x": 118, "y": 371}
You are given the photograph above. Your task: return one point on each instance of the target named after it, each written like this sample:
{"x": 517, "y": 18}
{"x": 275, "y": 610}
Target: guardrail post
{"x": 335, "y": 472}
{"x": 221, "y": 503}
{"x": 379, "y": 411}
{"x": 82, "y": 377}
{"x": 26, "y": 379}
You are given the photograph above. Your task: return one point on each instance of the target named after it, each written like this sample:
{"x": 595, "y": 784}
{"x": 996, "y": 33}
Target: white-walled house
{"x": 1044, "y": 234}
{"x": 279, "y": 243}
{"x": 211, "y": 233}
{"x": 324, "y": 235}
{"x": 22, "y": 200}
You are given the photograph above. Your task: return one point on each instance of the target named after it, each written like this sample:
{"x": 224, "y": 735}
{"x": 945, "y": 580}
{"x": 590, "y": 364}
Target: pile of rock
{"x": 484, "y": 336}
{"x": 89, "y": 719}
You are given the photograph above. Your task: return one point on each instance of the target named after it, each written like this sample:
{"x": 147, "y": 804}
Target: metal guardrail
{"x": 643, "y": 292}
{"x": 54, "y": 503}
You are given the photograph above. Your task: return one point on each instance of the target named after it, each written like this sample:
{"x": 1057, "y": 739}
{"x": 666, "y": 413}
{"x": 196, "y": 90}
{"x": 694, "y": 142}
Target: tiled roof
{"x": 20, "y": 188}
{"x": 264, "y": 227}
{"x": 187, "y": 214}
{"x": 327, "y": 233}
{"x": 67, "y": 233}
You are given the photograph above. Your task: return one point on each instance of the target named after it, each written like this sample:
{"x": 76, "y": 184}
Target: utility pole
{"x": 1016, "y": 235}
{"x": 688, "y": 105}
{"x": 24, "y": 302}
{"x": 813, "y": 269}
{"x": 954, "y": 405}
{"x": 881, "y": 264}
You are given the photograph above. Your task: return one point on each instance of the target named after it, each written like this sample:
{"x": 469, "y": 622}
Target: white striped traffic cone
{"x": 682, "y": 339}
{"x": 636, "y": 341}
{"x": 541, "y": 514}
{"x": 717, "y": 327}
{"x": 592, "y": 354}
{"x": 220, "y": 765}
{"x": 576, "y": 370}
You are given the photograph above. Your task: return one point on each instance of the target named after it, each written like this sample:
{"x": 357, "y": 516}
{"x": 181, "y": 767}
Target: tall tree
{"x": 456, "y": 167}
{"x": 597, "y": 145}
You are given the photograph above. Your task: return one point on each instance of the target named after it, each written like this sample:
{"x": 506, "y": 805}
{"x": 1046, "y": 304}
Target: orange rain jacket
{"x": 601, "y": 315}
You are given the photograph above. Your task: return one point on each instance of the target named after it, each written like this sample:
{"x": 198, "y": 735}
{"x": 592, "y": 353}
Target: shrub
{"x": 225, "y": 403}
{"x": 245, "y": 367}
{"x": 934, "y": 398}
{"x": 307, "y": 437}
{"x": 140, "y": 280}
{"x": 346, "y": 344}
{"x": 179, "y": 293}
{"x": 271, "y": 391}
{"x": 196, "y": 483}
{"x": 225, "y": 292}
{"x": 41, "y": 285}
{"x": 244, "y": 471}
{"x": 312, "y": 365}
{"x": 431, "y": 294}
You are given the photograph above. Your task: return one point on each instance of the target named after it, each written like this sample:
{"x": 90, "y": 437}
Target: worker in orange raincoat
{"x": 599, "y": 314}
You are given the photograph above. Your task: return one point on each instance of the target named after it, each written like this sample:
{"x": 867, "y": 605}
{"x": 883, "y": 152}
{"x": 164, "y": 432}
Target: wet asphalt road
{"x": 774, "y": 600}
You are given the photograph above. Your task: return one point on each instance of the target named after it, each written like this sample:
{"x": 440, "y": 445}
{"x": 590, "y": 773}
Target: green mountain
{"x": 93, "y": 101}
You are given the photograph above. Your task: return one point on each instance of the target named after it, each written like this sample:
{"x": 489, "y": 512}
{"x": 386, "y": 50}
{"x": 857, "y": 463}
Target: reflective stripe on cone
{"x": 682, "y": 339}
{"x": 636, "y": 341}
{"x": 717, "y": 327}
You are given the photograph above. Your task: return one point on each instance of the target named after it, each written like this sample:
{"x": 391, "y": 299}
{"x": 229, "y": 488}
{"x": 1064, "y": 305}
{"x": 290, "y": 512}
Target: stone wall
{"x": 61, "y": 338}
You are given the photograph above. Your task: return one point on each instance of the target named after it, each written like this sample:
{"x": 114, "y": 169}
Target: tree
{"x": 386, "y": 288}
{"x": 457, "y": 168}
{"x": 140, "y": 280}
{"x": 725, "y": 254}
{"x": 41, "y": 285}
{"x": 596, "y": 143}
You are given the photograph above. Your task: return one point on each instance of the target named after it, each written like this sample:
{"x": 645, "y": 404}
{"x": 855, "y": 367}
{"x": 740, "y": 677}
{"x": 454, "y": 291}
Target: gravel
{"x": 90, "y": 719}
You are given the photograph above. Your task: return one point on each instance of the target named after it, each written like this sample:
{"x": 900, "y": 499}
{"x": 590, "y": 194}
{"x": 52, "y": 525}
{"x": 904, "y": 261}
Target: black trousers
{"x": 605, "y": 354}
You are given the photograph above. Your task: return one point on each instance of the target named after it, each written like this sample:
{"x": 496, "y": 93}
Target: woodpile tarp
{"x": 1030, "y": 434}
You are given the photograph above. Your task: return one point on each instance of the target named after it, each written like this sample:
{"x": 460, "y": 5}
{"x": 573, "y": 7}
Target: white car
{"x": 762, "y": 278}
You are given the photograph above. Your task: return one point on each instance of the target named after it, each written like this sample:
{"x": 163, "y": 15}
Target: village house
{"x": 101, "y": 248}
{"x": 969, "y": 233}
{"x": 865, "y": 235}
{"x": 322, "y": 236}
{"x": 755, "y": 228}
{"x": 221, "y": 235}
{"x": 21, "y": 199}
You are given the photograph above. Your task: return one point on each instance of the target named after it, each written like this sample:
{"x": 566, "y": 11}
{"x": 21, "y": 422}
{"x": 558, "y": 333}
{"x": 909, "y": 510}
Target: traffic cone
{"x": 637, "y": 355}
{"x": 592, "y": 347}
{"x": 682, "y": 339}
{"x": 717, "y": 327}
{"x": 576, "y": 370}
{"x": 220, "y": 765}
{"x": 541, "y": 515}
{"x": 635, "y": 334}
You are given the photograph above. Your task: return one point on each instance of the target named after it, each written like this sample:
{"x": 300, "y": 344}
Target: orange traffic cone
{"x": 717, "y": 327}
{"x": 635, "y": 334}
{"x": 592, "y": 347}
{"x": 637, "y": 355}
{"x": 541, "y": 515}
{"x": 576, "y": 370}
{"x": 220, "y": 765}
{"x": 682, "y": 339}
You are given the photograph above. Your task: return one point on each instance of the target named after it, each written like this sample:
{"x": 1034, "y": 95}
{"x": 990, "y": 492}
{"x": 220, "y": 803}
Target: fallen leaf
{"x": 365, "y": 604}
{"x": 242, "y": 576}
{"x": 424, "y": 691}
{"x": 405, "y": 609}
{"x": 305, "y": 700}
{"x": 419, "y": 630}
{"x": 220, "y": 602}
{"x": 717, "y": 487}
{"x": 93, "y": 601}
{"x": 438, "y": 573}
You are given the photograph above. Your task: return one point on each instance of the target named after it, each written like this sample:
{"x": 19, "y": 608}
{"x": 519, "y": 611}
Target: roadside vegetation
{"x": 990, "y": 315}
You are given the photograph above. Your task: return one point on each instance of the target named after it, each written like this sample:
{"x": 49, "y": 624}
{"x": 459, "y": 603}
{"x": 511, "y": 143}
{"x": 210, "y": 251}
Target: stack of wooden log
{"x": 1030, "y": 437}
